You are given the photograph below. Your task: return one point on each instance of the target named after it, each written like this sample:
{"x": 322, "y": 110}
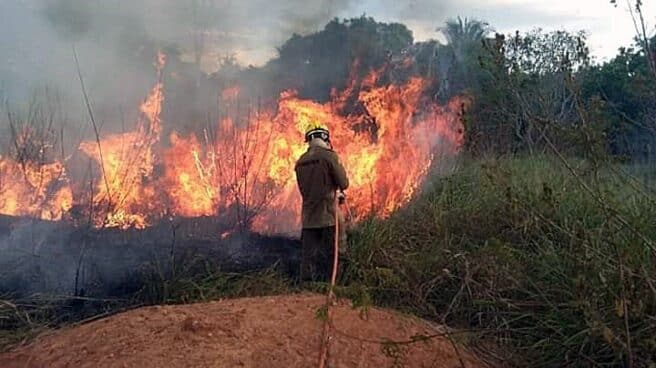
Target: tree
{"x": 316, "y": 63}
{"x": 627, "y": 84}
{"x": 646, "y": 42}
{"x": 462, "y": 34}
{"x": 457, "y": 61}
{"x": 626, "y": 88}
{"x": 529, "y": 95}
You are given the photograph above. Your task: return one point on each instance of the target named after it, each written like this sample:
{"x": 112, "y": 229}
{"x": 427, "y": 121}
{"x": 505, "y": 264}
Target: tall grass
{"x": 552, "y": 263}
{"x": 546, "y": 263}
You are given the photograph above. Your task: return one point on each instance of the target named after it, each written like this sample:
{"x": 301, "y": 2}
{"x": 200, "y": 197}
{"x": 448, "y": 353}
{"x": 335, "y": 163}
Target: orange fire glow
{"x": 125, "y": 192}
{"x": 246, "y": 167}
{"x": 252, "y": 165}
{"x": 39, "y": 191}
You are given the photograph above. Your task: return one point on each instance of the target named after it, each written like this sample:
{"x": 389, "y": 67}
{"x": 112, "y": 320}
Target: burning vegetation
{"x": 540, "y": 244}
{"x": 242, "y": 165}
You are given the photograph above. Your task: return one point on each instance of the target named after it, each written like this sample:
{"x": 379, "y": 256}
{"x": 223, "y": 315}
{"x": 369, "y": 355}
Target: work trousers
{"x": 317, "y": 251}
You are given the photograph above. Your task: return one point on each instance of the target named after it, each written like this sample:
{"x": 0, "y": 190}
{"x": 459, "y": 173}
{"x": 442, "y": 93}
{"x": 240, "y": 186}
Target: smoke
{"x": 117, "y": 42}
{"x": 56, "y": 258}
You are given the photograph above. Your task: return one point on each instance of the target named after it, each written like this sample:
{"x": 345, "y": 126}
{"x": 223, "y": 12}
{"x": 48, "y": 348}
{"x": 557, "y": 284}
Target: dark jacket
{"x": 319, "y": 174}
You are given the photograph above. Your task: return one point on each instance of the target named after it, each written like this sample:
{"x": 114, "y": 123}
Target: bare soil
{"x": 280, "y": 331}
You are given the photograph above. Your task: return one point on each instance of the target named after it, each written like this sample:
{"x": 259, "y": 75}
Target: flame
{"x": 386, "y": 166}
{"x": 245, "y": 167}
{"x": 190, "y": 184}
{"x": 387, "y": 154}
{"x": 125, "y": 192}
{"x": 36, "y": 190}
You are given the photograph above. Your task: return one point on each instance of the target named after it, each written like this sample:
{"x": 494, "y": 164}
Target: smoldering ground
{"x": 55, "y": 258}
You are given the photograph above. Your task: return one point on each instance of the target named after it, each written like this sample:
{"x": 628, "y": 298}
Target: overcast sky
{"x": 609, "y": 27}
{"x": 35, "y": 47}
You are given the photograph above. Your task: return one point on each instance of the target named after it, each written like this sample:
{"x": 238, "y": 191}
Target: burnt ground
{"x": 58, "y": 258}
{"x": 80, "y": 272}
{"x": 99, "y": 272}
{"x": 280, "y": 331}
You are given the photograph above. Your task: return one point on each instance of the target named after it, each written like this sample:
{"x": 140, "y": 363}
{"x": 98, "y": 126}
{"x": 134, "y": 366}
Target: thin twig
{"x": 93, "y": 122}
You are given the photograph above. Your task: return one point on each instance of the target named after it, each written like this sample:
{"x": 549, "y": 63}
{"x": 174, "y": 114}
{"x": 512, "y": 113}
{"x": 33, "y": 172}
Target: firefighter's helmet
{"x": 317, "y": 131}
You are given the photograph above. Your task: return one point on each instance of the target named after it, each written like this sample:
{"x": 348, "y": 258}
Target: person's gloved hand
{"x": 341, "y": 197}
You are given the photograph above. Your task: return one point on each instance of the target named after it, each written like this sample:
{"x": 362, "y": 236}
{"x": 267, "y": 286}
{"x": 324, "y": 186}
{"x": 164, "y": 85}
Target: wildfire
{"x": 387, "y": 154}
{"x": 29, "y": 189}
{"x": 245, "y": 168}
{"x": 125, "y": 193}
{"x": 126, "y": 190}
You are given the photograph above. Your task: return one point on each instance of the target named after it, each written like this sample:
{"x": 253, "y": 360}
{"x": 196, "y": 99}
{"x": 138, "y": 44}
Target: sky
{"x": 37, "y": 36}
{"x": 609, "y": 27}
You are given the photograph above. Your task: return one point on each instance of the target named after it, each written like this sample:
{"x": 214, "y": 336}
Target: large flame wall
{"x": 245, "y": 167}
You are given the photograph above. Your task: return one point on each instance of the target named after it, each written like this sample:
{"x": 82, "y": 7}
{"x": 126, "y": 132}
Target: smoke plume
{"x": 117, "y": 40}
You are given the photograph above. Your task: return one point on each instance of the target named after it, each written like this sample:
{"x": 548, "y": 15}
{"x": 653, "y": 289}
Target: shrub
{"x": 552, "y": 262}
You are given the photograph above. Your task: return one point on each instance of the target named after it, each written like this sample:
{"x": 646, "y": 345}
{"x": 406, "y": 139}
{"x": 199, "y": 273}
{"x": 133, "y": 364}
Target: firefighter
{"x": 321, "y": 180}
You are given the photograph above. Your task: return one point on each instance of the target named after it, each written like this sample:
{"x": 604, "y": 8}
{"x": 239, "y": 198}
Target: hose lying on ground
{"x": 325, "y": 336}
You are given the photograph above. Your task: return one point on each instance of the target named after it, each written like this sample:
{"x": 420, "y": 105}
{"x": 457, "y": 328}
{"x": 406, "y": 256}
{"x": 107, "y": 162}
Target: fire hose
{"x": 325, "y": 336}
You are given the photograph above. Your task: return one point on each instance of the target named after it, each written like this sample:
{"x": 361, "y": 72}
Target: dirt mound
{"x": 281, "y": 331}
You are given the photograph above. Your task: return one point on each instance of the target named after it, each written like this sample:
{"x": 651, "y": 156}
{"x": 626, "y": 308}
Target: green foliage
{"x": 552, "y": 261}
{"x": 627, "y": 92}
{"x": 519, "y": 250}
{"x": 316, "y": 63}
{"x": 536, "y": 90}
{"x": 529, "y": 95}
{"x": 199, "y": 280}
{"x": 15, "y": 324}
{"x": 322, "y": 313}
{"x": 458, "y": 61}
{"x": 537, "y": 53}
{"x": 465, "y": 32}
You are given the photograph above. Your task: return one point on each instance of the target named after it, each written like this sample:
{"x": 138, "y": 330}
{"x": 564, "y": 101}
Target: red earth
{"x": 277, "y": 331}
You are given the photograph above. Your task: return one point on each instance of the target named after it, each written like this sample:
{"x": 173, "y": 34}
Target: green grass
{"x": 546, "y": 263}
{"x": 552, "y": 264}
{"x": 199, "y": 280}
